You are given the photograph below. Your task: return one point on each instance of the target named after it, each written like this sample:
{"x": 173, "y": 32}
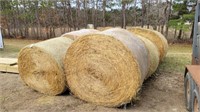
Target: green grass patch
{"x": 180, "y": 48}
{"x": 175, "y": 63}
{"x": 9, "y": 51}
{"x": 13, "y": 46}
{"x": 178, "y": 56}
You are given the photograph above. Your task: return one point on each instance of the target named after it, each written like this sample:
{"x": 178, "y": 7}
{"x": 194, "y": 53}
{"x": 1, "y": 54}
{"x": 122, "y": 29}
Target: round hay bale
{"x": 41, "y": 65}
{"x": 153, "y": 55}
{"x": 135, "y": 45}
{"x": 107, "y": 68}
{"x": 104, "y": 28}
{"x": 155, "y": 37}
{"x": 164, "y": 40}
{"x": 75, "y": 34}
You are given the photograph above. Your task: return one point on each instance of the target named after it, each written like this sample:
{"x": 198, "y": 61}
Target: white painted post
{"x": 1, "y": 40}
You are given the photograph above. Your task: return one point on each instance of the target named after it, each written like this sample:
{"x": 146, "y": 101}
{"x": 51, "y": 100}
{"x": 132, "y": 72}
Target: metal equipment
{"x": 192, "y": 72}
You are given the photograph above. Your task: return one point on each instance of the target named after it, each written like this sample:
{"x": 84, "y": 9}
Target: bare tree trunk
{"x": 143, "y": 12}
{"x": 17, "y": 24}
{"x": 85, "y": 12}
{"x": 38, "y": 27}
{"x": 175, "y": 33}
{"x": 159, "y": 27}
{"x": 114, "y": 21}
{"x": 65, "y": 17}
{"x": 9, "y": 31}
{"x": 93, "y": 13}
{"x": 148, "y": 11}
{"x": 192, "y": 33}
{"x": 77, "y": 13}
{"x": 168, "y": 17}
{"x": 158, "y": 16}
{"x": 135, "y": 13}
{"x": 58, "y": 21}
{"x": 21, "y": 24}
{"x": 52, "y": 31}
{"x": 47, "y": 32}
{"x": 96, "y": 14}
{"x": 26, "y": 26}
{"x": 179, "y": 34}
{"x": 104, "y": 11}
{"x": 71, "y": 15}
{"x": 26, "y": 31}
{"x": 123, "y": 15}
{"x": 162, "y": 29}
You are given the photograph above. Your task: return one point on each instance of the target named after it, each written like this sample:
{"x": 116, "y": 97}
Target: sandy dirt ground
{"x": 161, "y": 93}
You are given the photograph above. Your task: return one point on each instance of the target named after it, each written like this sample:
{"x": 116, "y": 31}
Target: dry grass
{"x": 13, "y": 46}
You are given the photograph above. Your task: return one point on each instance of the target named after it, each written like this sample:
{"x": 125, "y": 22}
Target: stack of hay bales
{"x": 105, "y": 68}
{"x": 108, "y": 68}
{"x": 41, "y": 64}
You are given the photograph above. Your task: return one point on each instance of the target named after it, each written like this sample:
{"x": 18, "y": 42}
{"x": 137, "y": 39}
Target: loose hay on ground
{"x": 107, "y": 68}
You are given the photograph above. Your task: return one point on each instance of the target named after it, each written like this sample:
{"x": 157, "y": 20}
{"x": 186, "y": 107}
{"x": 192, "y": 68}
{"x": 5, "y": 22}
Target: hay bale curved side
{"x": 153, "y": 55}
{"x": 102, "y": 70}
{"x": 75, "y": 34}
{"x": 155, "y": 37}
{"x": 104, "y": 28}
{"x": 41, "y": 65}
{"x": 164, "y": 40}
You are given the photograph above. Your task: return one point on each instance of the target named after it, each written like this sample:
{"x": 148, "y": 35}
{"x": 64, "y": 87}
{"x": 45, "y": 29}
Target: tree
{"x": 148, "y": 13}
{"x": 143, "y": 12}
{"x": 183, "y": 15}
{"x": 42, "y": 19}
{"x": 169, "y": 5}
{"x": 85, "y": 13}
{"x": 134, "y": 13}
{"x": 77, "y": 13}
{"x": 104, "y": 11}
{"x": 123, "y": 14}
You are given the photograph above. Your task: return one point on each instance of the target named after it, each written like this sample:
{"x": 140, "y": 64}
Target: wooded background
{"x": 43, "y": 19}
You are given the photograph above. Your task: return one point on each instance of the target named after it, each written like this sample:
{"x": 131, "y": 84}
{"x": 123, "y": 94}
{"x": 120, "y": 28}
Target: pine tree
{"x": 182, "y": 13}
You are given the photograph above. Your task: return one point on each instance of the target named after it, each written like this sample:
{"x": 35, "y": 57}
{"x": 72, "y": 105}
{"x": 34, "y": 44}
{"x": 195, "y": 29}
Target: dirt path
{"x": 161, "y": 93}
